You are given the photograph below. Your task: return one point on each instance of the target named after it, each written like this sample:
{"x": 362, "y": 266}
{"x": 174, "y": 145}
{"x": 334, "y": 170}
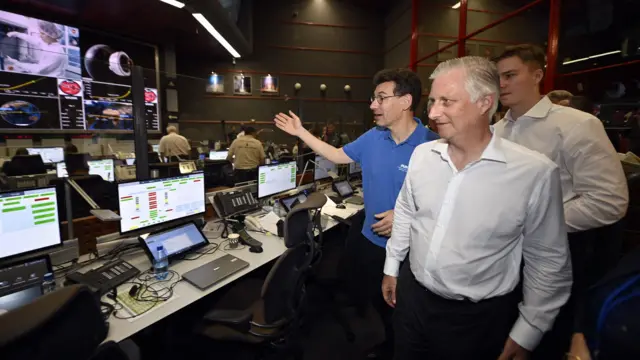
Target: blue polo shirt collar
{"x": 417, "y": 136}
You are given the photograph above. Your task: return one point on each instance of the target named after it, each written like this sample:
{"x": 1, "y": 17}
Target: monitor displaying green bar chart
{"x": 28, "y": 221}
{"x": 144, "y": 204}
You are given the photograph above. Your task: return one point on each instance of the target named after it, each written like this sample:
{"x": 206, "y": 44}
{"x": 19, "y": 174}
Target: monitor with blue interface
{"x": 20, "y": 281}
{"x": 104, "y": 168}
{"x": 322, "y": 168}
{"x": 144, "y": 204}
{"x": 176, "y": 241}
{"x": 274, "y": 179}
{"x": 28, "y": 221}
{"x": 49, "y": 155}
{"x": 218, "y": 155}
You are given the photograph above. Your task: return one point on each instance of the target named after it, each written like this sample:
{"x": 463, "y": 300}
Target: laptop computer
{"x": 215, "y": 271}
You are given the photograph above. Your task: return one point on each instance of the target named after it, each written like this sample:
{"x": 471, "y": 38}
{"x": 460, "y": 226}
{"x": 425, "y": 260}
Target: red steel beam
{"x": 413, "y": 52}
{"x": 444, "y": 36}
{"x": 462, "y": 28}
{"x": 552, "y": 48}
{"x": 484, "y": 28}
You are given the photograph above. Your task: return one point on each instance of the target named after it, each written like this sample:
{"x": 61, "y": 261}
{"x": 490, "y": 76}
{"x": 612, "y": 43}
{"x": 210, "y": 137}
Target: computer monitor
{"x": 103, "y": 168}
{"x": 218, "y": 155}
{"x": 21, "y": 281}
{"x": 28, "y": 221}
{"x": 176, "y": 241}
{"x": 144, "y": 204}
{"x": 354, "y": 168}
{"x": 156, "y": 148}
{"x": 274, "y": 179}
{"x": 61, "y": 170}
{"x": 50, "y": 155}
{"x": 322, "y": 168}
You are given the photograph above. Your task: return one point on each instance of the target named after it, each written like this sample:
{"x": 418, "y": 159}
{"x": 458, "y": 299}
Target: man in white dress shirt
{"x": 472, "y": 207}
{"x": 594, "y": 187}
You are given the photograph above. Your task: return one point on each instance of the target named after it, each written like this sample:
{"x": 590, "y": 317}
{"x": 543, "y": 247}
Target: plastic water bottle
{"x": 161, "y": 264}
{"x": 48, "y": 283}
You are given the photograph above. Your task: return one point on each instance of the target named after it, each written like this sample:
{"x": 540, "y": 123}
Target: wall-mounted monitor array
{"x": 50, "y": 155}
{"x": 52, "y": 78}
{"x": 28, "y": 221}
{"x": 274, "y": 179}
{"x": 144, "y": 204}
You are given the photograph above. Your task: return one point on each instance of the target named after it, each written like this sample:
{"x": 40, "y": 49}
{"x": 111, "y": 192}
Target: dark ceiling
{"x": 149, "y": 21}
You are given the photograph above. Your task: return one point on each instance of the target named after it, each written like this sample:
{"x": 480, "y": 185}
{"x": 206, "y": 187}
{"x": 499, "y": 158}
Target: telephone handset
{"x": 251, "y": 223}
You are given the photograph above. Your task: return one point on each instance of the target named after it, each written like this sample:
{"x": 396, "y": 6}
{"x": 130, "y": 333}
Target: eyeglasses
{"x": 380, "y": 98}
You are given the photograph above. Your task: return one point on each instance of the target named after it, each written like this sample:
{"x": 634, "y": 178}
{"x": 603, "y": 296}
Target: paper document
{"x": 269, "y": 222}
{"x": 330, "y": 209}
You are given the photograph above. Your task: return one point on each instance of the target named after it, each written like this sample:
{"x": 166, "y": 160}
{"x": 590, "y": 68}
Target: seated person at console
{"x": 7, "y": 165}
{"x": 249, "y": 154}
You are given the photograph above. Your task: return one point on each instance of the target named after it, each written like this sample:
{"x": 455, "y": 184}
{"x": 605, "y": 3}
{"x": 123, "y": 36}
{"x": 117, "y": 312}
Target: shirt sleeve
{"x": 547, "y": 265}
{"x": 403, "y": 213}
{"x": 162, "y": 146}
{"x": 356, "y": 149}
{"x": 598, "y": 179}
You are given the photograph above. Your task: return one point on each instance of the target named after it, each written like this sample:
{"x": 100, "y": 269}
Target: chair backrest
{"x": 26, "y": 165}
{"x": 283, "y": 288}
{"x": 65, "y": 324}
{"x": 154, "y": 158}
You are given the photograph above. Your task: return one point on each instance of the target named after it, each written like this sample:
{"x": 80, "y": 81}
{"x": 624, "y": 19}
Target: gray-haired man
{"x": 472, "y": 207}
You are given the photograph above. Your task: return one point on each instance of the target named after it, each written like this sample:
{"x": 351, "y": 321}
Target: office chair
{"x": 65, "y": 324}
{"x": 273, "y": 319}
{"x": 25, "y": 165}
{"x": 154, "y": 158}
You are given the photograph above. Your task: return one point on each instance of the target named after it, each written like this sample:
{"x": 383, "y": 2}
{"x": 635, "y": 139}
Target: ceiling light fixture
{"x": 591, "y": 57}
{"x": 456, "y": 5}
{"x": 207, "y": 25}
{"x": 175, "y": 3}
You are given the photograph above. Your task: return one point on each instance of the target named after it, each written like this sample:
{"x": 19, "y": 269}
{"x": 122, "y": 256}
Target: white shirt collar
{"x": 493, "y": 152}
{"x": 538, "y": 111}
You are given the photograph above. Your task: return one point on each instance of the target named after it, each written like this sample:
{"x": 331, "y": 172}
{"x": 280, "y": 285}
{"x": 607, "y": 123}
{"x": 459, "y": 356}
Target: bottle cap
{"x": 48, "y": 276}
{"x": 160, "y": 247}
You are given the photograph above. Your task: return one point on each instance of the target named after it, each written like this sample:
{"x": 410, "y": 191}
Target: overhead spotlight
{"x": 347, "y": 88}
{"x": 175, "y": 3}
{"x": 323, "y": 87}
{"x": 456, "y": 6}
{"x": 297, "y": 86}
{"x": 207, "y": 25}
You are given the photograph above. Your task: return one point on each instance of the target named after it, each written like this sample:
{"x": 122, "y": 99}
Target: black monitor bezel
{"x": 173, "y": 257}
{"x": 156, "y": 227}
{"x": 2, "y": 259}
{"x": 279, "y": 192}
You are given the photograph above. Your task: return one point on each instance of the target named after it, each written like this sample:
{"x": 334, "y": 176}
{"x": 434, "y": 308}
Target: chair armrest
{"x": 230, "y": 317}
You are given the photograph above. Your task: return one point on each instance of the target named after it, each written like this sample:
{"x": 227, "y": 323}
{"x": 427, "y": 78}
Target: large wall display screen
{"x": 52, "y": 78}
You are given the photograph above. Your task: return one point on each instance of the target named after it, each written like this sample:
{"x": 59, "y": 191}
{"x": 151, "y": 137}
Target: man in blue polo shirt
{"x": 383, "y": 153}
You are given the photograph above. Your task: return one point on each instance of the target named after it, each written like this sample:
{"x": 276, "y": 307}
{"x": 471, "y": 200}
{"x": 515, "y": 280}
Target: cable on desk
{"x": 201, "y": 253}
{"x": 148, "y": 293}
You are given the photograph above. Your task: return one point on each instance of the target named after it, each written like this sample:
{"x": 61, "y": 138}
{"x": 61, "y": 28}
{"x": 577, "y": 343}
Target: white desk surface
{"x": 185, "y": 293}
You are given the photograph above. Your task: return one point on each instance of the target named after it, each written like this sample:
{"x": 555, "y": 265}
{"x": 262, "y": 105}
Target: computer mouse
{"x": 340, "y": 206}
{"x": 256, "y": 249}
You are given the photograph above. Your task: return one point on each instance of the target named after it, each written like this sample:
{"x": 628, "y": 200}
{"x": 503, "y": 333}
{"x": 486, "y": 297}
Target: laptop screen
{"x": 176, "y": 241}
{"x": 343, "y": 188}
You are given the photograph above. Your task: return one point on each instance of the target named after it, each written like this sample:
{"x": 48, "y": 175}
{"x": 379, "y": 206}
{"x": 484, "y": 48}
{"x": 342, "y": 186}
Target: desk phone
{"x": 105, "y": 278}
